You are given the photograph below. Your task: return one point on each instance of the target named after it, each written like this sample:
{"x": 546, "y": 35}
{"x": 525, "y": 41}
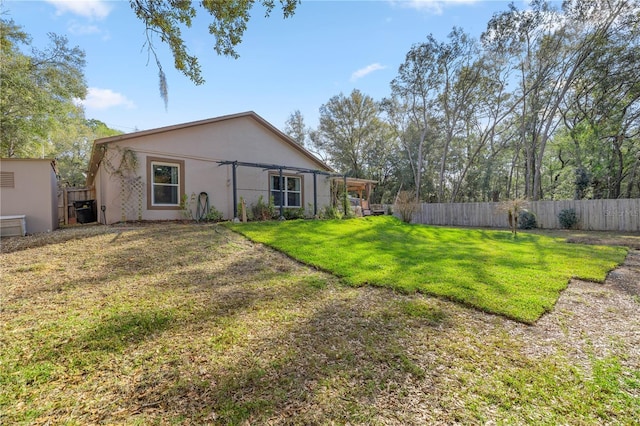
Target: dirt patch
{"x": 605, "y": 238}
{"x": 593, "y": 320}
{"x": 626, "y": 241}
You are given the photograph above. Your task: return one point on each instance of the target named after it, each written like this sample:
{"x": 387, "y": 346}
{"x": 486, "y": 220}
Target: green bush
{"x": 568, "y": 218}
{"x": 290, "y": 214}
{"x": 262, "y": 210}
{"x": 213, "y": 215}
{"x": 330, "y": 212}
{"x": 527, "y": 220}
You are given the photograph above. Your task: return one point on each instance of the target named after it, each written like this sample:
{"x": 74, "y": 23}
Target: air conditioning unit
{"x": 13, "y": 226}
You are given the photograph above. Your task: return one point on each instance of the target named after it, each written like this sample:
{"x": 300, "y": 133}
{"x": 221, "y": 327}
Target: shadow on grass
{"x": 122, "y": 329}
{"x": 338, "y": 360}
{"x": 518, "y": 277}
{"x": 97, "y": 262}
{"x": 225, "y": 332}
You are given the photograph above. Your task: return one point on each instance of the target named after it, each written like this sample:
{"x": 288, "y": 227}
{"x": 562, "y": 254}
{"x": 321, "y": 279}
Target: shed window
{"x": 292, "y": 190}
{"x": 166, "y": 183}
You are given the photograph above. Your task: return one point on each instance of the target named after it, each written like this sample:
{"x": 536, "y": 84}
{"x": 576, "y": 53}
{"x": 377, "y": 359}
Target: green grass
{"x": 176, "y": 324}
{"x": 520, "y": 277}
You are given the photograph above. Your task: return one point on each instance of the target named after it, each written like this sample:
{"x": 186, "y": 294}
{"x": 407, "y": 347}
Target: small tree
{"x": 406, "y": 205}
{"x": 513, "y": 208}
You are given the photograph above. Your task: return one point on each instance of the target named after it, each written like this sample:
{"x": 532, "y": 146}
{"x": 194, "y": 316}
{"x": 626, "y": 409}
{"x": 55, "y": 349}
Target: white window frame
{"x": 285, "y": 191}
{"x": 179, "y": 165}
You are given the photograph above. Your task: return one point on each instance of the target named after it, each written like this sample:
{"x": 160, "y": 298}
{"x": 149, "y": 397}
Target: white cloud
{"x": 366, "y": 70}
{"x": 79, "y": 29}
{"x": 104, "y": 99}
{"x": 435, "y": 7}
{"x": 92, "y": 9}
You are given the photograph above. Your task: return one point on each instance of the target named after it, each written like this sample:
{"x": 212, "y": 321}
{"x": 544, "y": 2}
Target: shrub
{"x": 186, "y": 204}
{"x": 406, "y": 205}
{"x": 262, "y": 210}
{"x": 350, "y": 214}
{"x": 330, "y": 212}
{"x": 527, "y": 220}
{"x": 213, "y": 215}
{"x": 347, "y": 211}
{"x": 568, "y": 218}
{"x": 294, "y": 213}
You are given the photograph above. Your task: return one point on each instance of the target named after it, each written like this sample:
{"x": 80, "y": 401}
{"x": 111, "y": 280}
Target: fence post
{"x": 65, "y": 203}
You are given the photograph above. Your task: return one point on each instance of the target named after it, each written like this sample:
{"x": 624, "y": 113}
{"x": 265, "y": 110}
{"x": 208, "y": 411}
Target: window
{"x": 292, "y": 190}
{"x": 166, "y": 183}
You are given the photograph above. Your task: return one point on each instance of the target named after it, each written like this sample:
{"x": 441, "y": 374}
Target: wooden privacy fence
{"x": 66, "y": 197}
{"x": 593, "y": 215}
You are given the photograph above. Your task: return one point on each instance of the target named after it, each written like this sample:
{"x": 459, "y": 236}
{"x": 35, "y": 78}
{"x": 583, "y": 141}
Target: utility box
{"x": 13, "y": 226}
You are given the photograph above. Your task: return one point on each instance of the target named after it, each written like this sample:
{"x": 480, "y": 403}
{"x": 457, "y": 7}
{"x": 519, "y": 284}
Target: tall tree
{"x": 485, "y": 123}
{"x": 416, "y": 89}
{"x": 70, "y": 143}
{"x": 349, "y": 128}
{"x": 36, "y": 90}
{"x": 460, "y": 81}
{"x": 551, "y": 48}
{"x": 602, "y": 115}
{"x": 295, "y": 127}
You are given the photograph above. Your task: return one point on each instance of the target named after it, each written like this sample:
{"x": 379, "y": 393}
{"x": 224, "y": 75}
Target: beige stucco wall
{"x": 201, "y": 147}
{"x": 34, "y": 193}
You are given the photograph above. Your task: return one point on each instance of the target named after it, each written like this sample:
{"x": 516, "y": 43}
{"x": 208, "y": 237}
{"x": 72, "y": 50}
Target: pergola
{"x": 361, "y": 186}
{"x": 280, "y": 169}
{"x": 351, "y": 184}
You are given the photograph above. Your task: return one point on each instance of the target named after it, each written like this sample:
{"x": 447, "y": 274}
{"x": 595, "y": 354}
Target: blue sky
{"x": 326, "y": 48}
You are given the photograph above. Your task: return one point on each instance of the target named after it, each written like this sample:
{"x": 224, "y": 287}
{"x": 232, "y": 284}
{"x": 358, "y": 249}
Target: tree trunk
{"x": 418, "y": 171}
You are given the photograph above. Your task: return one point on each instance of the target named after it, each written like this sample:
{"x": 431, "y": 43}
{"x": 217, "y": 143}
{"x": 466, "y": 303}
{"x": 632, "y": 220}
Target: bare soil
{"x": 593, "y": 319}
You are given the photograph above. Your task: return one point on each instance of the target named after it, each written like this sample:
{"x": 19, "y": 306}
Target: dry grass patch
{"x": 176, "y": 324}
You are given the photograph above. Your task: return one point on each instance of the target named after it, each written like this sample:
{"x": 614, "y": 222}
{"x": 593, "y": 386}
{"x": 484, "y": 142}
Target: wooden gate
{"x": 66, "y": 197}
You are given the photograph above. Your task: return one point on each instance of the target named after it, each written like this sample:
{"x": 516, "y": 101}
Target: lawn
{"x": 520, "y": 277}
{"x": 195, "y": 324}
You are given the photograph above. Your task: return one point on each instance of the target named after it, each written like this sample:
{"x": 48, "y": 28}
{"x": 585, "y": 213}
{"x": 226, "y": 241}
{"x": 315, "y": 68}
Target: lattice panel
{"x": 131, "y": 195}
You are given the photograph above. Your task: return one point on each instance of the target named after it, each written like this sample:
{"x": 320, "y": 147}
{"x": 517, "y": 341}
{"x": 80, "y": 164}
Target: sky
{"x": 325, "y": 49}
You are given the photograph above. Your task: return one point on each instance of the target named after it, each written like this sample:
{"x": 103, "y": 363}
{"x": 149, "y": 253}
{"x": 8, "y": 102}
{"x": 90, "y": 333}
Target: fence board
{"x": 66, "y": 197}
{"x": 593, "y": 215}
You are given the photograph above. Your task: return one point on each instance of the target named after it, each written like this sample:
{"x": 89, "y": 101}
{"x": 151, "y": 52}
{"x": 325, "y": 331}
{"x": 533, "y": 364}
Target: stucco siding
{"x": 199, "y": 149}
{"x": 34, "y": 193}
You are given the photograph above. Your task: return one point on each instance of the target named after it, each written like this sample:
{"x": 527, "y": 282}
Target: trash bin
{"x": 85, "y": 211}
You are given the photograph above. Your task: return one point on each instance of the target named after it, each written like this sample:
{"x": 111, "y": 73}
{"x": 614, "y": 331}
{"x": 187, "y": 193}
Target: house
{"x": 28, "y": 196}
{"x": 148, "y": 175}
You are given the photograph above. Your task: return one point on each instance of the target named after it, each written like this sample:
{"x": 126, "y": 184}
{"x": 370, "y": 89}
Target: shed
{"x": 28, "y": 193}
